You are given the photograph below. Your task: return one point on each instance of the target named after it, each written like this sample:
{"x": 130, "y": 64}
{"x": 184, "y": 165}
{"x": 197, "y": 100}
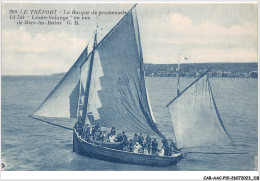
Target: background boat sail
{"x": 195, "y": 116}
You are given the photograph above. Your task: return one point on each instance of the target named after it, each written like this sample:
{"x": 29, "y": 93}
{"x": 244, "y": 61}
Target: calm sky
{"x": 202, "y": 32}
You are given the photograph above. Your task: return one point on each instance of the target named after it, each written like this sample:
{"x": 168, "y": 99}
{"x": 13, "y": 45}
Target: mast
{"x": 86, "y": 93}
{"x": 178, "y": 75}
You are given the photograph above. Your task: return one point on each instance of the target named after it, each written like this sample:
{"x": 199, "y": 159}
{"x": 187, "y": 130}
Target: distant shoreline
{"x": 217, "y": 70}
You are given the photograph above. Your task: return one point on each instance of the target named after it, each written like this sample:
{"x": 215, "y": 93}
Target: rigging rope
{"x": 50, "y": 123}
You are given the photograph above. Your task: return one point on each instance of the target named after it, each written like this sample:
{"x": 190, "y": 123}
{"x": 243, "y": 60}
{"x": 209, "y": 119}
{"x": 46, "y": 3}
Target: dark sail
{"x": 118, "y": 95}
{"x": 74, "y": 96}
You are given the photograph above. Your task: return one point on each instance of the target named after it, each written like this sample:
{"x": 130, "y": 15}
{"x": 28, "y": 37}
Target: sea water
{"x": 32, "y": 145}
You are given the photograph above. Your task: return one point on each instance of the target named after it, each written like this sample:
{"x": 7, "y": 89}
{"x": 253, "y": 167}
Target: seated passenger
{"x": 126, "y": 146}
{"x": 145, "y": 150}
{"x": 112, "y": 138}
{"x": 102, "y": 136}
{"x": 137, "y": 147}
{"x": 161, "y": 153}
{"x": 119, "y": 137}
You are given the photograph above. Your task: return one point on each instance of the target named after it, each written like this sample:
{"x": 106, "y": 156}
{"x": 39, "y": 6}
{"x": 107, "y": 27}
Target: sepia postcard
{"x": 129, "y": 87}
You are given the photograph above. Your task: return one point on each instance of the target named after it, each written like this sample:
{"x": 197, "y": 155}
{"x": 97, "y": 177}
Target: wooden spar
{"x": 86, "y": 93}
{"x": 189, "y": 86}
{"x": 38, "y": 119}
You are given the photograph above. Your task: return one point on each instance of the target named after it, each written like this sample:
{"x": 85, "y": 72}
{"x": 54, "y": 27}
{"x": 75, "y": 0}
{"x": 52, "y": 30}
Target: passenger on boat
{"x": 87, "y": 129}
{"x": 141, "y": 139}
{"x": 113, "y": 131}
{"x": 137, "y": 148}
{"x": 131, "y": 145}
{"x": 98, "y": 129}
{"x": 80, "y": 128}
{"x": 112, "y": 138}
{"x": 97, "y": 134}
{"x": 119, "y": 137}
{"x": 102, "y": 136}
{"x": 95, "y": 129}
{"x": 77, "y": 127}
{"x": 124, "y": 136}
{"x": 166, "y": 147}
{"x": 97, "y": 126}
{"x": 145, "y": 150}
{"x": 148, "y": 142}
{"x": 162, "y": 152}
{"x": 124, "y": 144}
{"x": 154, "y": 146}
{"x": 173, "y": 147}
{"x": 135, "y": 139}
{"x": 126, "y": 147}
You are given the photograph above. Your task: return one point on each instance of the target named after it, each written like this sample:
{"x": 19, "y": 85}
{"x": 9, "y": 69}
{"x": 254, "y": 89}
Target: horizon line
{"x": 51, "y": 74}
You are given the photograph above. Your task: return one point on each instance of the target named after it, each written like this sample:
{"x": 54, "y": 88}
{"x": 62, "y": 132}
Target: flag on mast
{"x": 184, "y": 58}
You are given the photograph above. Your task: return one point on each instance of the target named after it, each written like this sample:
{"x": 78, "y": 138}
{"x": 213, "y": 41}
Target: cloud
{"x": 175, "y": 33}
{"x": 24, "y": 53}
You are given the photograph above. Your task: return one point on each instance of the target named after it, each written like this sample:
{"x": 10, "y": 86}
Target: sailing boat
{"x": 107, "y": 87}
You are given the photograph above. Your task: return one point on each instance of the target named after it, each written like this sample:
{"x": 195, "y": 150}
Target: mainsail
{"x": 117, "y": 95}
{"x": 110, "y": 83}
{"x": 195, "y": 117}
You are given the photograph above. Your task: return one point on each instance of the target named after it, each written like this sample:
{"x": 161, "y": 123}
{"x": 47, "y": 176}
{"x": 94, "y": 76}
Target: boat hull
{"x": 103, "y": 153}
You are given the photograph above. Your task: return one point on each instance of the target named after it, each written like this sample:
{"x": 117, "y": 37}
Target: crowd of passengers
{"x": 137, "y": 144}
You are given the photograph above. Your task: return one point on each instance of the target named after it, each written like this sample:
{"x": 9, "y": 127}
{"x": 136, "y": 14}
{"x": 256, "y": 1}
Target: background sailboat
{"x": 195, "y": 116}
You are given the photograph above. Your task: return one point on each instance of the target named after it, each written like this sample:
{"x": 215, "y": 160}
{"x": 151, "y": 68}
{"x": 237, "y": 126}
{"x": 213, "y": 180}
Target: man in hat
{"x": 124, "y": 139}
{"x": 141, "y": 139}
{"x": 135, "y": 139}
{"x": 87, "y": 132}
{"x": 154, "y": 146}
{"x": 124, "y": 136}
{"x": 166, "y": 147}
{"x": 113, "y": 131}
{"x": 148, "y": 142}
